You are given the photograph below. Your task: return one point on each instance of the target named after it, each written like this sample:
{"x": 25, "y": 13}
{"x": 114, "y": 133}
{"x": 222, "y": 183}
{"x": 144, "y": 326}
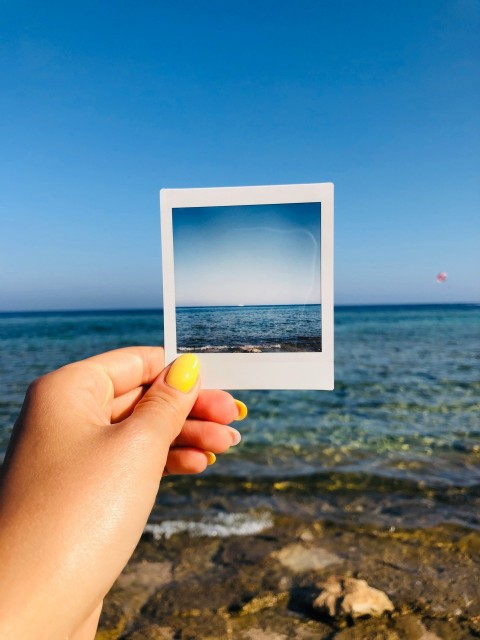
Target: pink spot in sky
{"x": 441, "y": 277}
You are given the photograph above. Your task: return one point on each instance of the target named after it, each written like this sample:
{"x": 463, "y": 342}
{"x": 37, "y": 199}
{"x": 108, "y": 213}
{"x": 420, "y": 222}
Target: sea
{"x": 396, "y": 444}
{"x": 258, "y": 328}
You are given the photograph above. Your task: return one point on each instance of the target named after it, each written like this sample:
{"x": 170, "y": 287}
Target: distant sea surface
{"x": 258, "y": 328}
{"x": 397, "y": 442}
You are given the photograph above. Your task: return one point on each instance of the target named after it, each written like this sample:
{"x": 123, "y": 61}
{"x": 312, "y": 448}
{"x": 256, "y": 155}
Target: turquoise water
{"x": 263, "y": 328}
{"x": 398, "y": 440}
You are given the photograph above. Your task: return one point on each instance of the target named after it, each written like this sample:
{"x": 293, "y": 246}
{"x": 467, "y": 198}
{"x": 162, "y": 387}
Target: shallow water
{"x": 396, "y": 442}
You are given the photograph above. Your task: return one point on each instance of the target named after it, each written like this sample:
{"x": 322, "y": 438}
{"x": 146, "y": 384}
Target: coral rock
{"x": 299, "y": 558}
{"x": 350, "y": 597}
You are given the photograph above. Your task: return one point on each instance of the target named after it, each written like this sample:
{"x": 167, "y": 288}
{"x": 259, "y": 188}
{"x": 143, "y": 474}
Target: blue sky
{"x": 103, "y": 104}
{"x": 250, "y": 255}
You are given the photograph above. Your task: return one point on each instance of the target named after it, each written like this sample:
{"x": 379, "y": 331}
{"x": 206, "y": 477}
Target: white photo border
{"x": 286, "y": 370}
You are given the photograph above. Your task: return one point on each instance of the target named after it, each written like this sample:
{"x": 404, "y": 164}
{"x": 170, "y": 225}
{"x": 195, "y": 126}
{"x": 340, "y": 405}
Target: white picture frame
{"x": 270, "y": 370}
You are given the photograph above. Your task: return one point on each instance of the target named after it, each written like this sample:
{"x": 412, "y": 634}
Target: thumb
{"x": 166, "y": 405}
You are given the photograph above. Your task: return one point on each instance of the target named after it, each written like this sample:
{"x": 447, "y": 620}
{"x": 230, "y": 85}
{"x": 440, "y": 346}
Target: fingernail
{"x": 211, "y": 458}
{"x": 242, "y": 410}
{"x": 236, "y": 436}
{"x": 184, "y": 372}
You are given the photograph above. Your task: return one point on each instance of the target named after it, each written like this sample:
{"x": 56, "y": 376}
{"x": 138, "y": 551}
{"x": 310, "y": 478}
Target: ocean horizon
{"x": 393, "y": 305}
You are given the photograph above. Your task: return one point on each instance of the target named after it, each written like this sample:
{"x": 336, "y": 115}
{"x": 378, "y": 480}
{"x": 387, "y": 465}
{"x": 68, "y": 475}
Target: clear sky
{"x": 103, "y": 103}
{"x": 251, "y": 255}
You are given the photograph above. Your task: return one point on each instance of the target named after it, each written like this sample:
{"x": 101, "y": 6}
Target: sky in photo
{"x": 250, "y": 255}
{"x": 104, "y": 104}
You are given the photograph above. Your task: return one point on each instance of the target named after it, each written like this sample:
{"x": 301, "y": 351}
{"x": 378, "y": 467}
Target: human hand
{"x": 81, "y": 475}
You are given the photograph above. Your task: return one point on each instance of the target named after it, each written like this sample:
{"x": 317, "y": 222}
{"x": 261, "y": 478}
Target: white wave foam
{"x": 207, "y": 347}
{"x": 224, "y": 347}
{"x": 222, "y": 526}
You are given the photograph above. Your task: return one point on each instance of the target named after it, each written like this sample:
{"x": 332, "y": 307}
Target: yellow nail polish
{"x": 184, "y": 372}
{"x": 242, "y": 410}
{"x": 211, "y": 458}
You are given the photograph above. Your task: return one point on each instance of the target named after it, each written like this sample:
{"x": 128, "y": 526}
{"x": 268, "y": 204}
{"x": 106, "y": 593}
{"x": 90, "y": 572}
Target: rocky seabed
{"x": 300, "y": 580}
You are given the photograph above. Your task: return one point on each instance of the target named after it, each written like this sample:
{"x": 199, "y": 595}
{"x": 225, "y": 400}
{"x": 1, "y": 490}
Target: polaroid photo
{"x": 248, "y": 284}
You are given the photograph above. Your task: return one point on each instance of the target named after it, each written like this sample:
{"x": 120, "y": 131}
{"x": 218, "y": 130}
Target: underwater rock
{"x": 131, "y": 591}
{"x": 259, "y": 603}
{"x": 300, "y": 559}
{"x": 351, "y": 597}
{"x": 262, "y": 634}
{"x": 153, "y": 632}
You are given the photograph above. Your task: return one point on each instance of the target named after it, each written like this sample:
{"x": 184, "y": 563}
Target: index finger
{"x": 129, "y": 367}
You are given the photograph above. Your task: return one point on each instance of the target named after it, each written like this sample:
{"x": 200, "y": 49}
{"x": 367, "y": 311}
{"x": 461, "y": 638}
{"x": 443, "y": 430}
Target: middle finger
{"x": 210, "y": 436}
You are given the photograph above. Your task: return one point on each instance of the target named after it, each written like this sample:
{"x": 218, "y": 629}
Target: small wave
{"x": 207, "y": 347}
{"x": 255, "y": 348}
{"x": 221, "y": 526}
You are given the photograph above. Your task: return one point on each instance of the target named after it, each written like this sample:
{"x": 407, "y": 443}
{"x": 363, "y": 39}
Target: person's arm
{"x": 88, "y": 628}
{"x": 81, "y": 475}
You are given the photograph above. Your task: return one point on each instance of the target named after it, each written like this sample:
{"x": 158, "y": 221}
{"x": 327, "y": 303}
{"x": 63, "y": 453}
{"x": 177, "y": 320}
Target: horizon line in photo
{"x": 248, "y": 306}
